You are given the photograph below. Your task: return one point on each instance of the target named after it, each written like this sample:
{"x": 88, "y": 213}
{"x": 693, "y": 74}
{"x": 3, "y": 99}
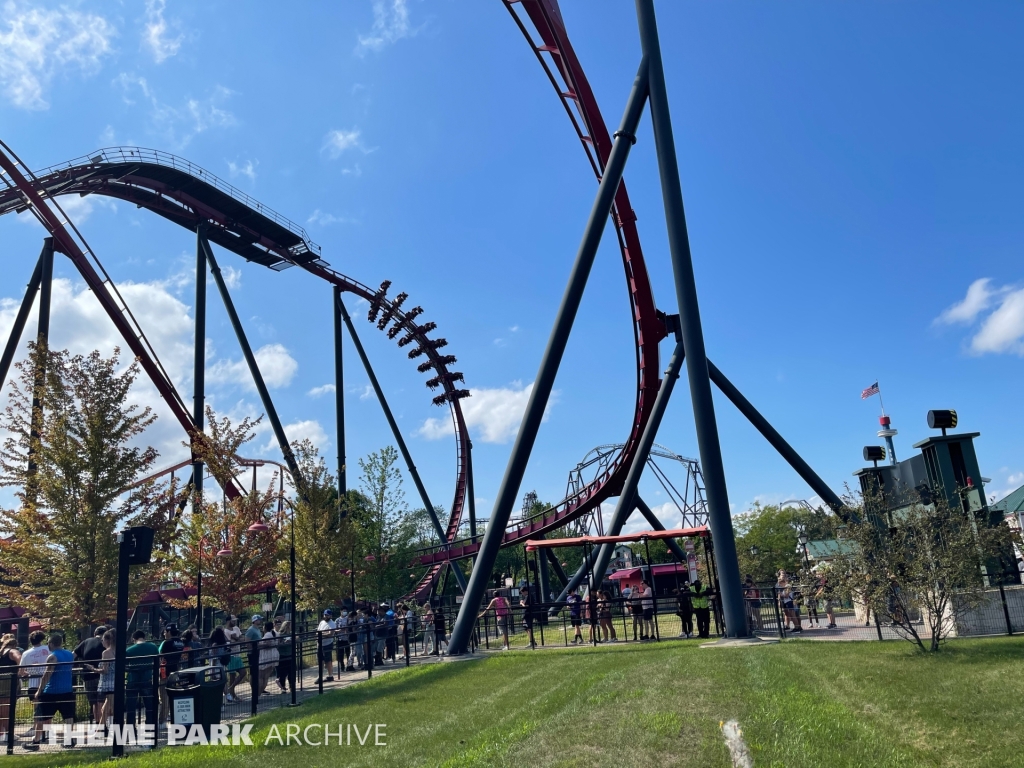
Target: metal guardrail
{"x": 112, "y": 155}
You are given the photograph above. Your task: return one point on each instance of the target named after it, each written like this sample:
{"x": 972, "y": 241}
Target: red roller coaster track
{"x": 541, "y": 24}
{"x": 191, "y": 196}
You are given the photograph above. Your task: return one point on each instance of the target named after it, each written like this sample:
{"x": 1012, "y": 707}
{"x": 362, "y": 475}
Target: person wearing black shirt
{"x": 90, "y": 653}
{"x": 171, "y": 650}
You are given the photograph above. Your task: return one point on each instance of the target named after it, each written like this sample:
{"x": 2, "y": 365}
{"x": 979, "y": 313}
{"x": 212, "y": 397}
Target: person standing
{"x": 10, "y": 660}
{"x": 253, "y": 636}
{"x": 785, "y": 593}
{"x": 499, "y": 605}
{"x": 140, "y": 658}
{"x": 286, "y": 657}
{"x": 170, "y": 662}
{"x": 341, "y": 642}
{"x": 637, "y": 612}
{"x": 269, "y": 656}
{"x": 33, "y": 663}
{"x": 826, "y": 594}
{"x": 701, "y": 601}
{"x": 526, "y": 603}
{"x": 325, "y": 657}
{"x": 440, "y": 631}
{"x": 575, "y": 603}
{"x": 236, "y": 667}
{"x": 88, "y": 654}
{"x": 56, "y": 693}
{"x": 684, "y": 609}
{"x": 752, "y": 599}
{"x": 604, "y": 616}
{"x": 647, "y": 603}
{"x": 106, "y": 683}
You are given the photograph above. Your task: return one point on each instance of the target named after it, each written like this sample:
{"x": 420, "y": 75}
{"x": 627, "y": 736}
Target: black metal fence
{"x": 1001, "y": 612}
{"x": 259, "y": 675}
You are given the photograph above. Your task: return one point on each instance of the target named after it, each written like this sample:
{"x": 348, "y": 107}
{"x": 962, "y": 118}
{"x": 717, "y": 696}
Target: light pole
{"x": 802, "y": 538}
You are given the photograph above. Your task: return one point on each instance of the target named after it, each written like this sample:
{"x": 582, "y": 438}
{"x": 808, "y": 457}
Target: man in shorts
{"x": 89, "y": 654}
{"x": 325, "y": 653}
{"x": 56, "y": 694}
{"x": 575, "y": 604}
{"x": 647, "y": 603}
{"x": 33, "y": 664}
{"x": 139, "y": 665}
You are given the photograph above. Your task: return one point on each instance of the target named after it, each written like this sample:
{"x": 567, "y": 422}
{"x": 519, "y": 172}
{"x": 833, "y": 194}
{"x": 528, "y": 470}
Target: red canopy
{"x": 676, "y": 533}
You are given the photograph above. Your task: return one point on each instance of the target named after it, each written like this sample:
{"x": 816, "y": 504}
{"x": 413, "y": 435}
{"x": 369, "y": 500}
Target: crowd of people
{"x": 794, "y": 602}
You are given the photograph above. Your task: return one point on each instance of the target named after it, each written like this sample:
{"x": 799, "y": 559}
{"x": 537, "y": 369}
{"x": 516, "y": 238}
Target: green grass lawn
{"x": 800, "y": 703}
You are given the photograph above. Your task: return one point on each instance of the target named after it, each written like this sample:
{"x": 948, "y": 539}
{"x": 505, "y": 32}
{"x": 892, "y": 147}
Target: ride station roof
{"x": 676, "y": 533}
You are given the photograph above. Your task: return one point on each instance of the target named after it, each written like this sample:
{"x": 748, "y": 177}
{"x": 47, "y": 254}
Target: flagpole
{"x": 880, "y": 403}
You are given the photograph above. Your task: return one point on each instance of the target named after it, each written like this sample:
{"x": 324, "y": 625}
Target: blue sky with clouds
{"x": 851, "y": 172}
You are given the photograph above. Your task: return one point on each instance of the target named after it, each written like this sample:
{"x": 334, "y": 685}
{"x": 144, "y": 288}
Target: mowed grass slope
{"x": 799, "y": 704}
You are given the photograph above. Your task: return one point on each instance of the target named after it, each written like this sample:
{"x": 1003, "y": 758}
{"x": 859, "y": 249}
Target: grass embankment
{"x": 799, "y": 704}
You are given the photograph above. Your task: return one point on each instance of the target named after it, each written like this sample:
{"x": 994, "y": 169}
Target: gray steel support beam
{"x": 339, "y": 394}
{"x": 775, "y": 439}
{"x": 402, "y": 447}
{"x": 543, "y": 384}
{"x": 20, "y": 320}
{"x": 719, "y": 515}
{"x": 545, "y": 578}
{"x": 657, "y": 525}
{"x": 627, "y": 498}
{"x": 254, "y": 370}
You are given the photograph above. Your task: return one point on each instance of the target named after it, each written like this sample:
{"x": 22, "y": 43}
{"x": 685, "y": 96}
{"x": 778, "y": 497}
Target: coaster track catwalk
{"x": 195, "y": 199}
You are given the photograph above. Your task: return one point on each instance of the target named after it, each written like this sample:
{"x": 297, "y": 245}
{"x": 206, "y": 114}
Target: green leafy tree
{"x": 325, "y": 533}
{"x": 60, "y": 552}
{"x": 386, "y": 533}
{"x": 774, "y": 531}
{"x": 926, "y": 562}
{"x": 252, "y": 560}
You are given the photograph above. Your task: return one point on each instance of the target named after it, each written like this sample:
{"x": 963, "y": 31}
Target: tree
{"x": 252, "y": 560}
{"x": 774, "y": 531}
{"x": 60, "y": 554}
{"x": 385, "y": 531}
{"x": 325, "y": 533}
{"x": 932, "y": 562}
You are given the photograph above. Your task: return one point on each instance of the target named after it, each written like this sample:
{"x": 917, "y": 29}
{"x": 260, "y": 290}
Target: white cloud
{"x": 155, "y": 35}
{"x": 1002, "y": 331}
{"x": 177, "y": 126}
{"x": 326, "y": 219}
{"x": 79, "y": 209}
{"x": 275, "y": 363}
{"x": 390, "y": 24}
{"x": 1015, "y": 479}
{"x": 309, "y": 429}
{"x": 37, "y": 44}
{"x": 323, "y": 389}
{"x": 337, "y": 142}
{"x": 367, "y": 393}
{"x": 247, "y": 169}
{"x": 979, "y": 298}
{"x": 494, "y": 414}
{"x": 232, "y": 277}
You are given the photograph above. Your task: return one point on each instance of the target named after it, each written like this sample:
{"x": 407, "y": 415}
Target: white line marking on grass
{"x": 738, "y": 749}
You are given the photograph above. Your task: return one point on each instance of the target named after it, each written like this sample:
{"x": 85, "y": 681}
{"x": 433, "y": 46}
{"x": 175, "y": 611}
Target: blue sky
{"x": 851, "y": 173}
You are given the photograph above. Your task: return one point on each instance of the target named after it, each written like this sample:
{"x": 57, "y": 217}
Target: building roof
{"x": 824, "y": 549}
{"x": 1012, "y": 503}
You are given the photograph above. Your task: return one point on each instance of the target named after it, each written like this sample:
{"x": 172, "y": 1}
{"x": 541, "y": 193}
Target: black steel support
{"x": 627, "y": 497}
{"x": 339, "y": 394}
{"x": 254, "y": 369}
{"x": 719, "y": 515}
{"x": 42, "y": 348}
{"x": 121, "y": 640}
{"x": 543, "y": 384}
{"x": 402, "y": 447}
{"x": 556, "y": 566}
{"x": 774, "y": 438}
{"x": 199, "y": 403}
{"x": 20, "y": 320}
{"x": 470, "y": 493}
{"x": 543, "y": 575}
{"x": 657, "y": 525}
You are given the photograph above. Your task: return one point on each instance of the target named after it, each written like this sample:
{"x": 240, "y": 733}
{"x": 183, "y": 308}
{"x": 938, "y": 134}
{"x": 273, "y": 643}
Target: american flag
{"x": 872, "y": 390}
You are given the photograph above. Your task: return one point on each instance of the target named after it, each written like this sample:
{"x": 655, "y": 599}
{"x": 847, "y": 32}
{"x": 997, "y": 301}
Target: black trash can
{"x": 194, "y": 696}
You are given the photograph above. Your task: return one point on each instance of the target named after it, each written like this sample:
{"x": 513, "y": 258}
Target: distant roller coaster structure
{"x": 222, "y": 215}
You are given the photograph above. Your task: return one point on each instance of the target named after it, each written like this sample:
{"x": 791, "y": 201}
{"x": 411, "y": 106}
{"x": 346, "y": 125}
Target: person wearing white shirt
{"x": 325, "y": 654}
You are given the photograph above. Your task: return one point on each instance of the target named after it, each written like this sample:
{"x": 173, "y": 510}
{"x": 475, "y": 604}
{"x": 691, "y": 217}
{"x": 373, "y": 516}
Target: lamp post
{"x": 802, "y": 538}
